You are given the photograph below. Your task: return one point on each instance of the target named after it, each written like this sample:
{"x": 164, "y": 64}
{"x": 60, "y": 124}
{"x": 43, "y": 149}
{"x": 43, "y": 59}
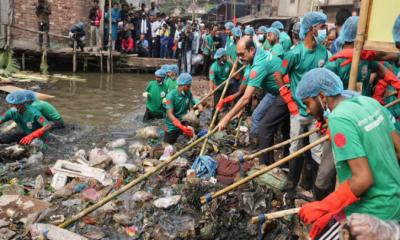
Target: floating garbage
{"x": 148, "y": 132}
{"x": 118, "y": 156}
{"x": 167, "y": 202}
{"x": 52, "y": 232}
{"x": 117, "y": 143}
{"x": 98, "y": 156}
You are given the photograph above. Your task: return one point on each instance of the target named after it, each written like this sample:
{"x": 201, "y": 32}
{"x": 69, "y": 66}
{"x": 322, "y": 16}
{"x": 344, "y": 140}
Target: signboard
{"x": 381, "y": 18}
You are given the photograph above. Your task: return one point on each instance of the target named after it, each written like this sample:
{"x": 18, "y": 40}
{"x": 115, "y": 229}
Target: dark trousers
{"x": 276, "y": 115}
{"x": 44, "y": 27}
{"x": 206, "y": 65}
{"x": 155, "y": 47}
{"x": 149, "y": 116}
{"x": 171, "y": 136}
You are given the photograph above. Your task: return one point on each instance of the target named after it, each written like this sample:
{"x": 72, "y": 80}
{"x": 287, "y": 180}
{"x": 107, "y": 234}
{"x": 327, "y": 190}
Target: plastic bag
{"x": 148, "y": 132}
{"x": 367, "y": 227}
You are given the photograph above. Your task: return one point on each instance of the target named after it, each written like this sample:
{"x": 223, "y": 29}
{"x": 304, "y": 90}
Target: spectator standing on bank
{"x": 95, "y": 16}
{"x": 43, "y": 11}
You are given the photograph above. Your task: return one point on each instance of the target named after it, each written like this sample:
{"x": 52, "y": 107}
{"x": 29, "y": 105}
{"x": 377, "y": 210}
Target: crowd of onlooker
{"x": 151, "y": 33}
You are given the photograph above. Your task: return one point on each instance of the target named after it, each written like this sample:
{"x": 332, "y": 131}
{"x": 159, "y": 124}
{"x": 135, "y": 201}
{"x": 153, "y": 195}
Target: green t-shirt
{"x": 365, "y": 69}
{"x": 171, "y": 83}
{"x": 29, "y": 121}
{"x": 277, "y": 50}
{"x": 367, "y": 134}
{"x": 260, "y": 74}
{"x": 48, "y": 111}
{"x": 230, "y": 48}
{"x": 266, "y": 45}
{"x": 285, "y": 41}
{"x": 300, "y": 60}
{"x": 181, "y": 103}
{"x": 219, "y": 73}
{"x": 155, "y": 98}
{"x": 210, "y": 43}
{"x": 395, "y": 110}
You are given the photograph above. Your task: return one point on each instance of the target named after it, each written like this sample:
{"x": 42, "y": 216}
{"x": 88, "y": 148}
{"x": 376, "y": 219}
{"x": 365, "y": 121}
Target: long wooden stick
{"x": 134, "y": 182}
{"x": 278, "y": 214}
{"x": 39, "y": 32}
{"x": 214, "y": 119}
{"x": 361, "y": 30}
{"x": 217, "y": 88}
{"x": 284, "y": 160}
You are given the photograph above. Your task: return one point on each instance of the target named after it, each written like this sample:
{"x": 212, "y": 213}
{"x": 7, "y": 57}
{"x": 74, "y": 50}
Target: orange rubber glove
{"x": 323, "y": 130}
{"x": 187, "y": 131}
{"x": 36, "y": 134}
{"x": 286, "y": 94}
{"x": 380, "y": 91}
{"x": 224, "y": 101}
{"x": 321, "y": 212}
{"x": 391, "y": 79}
{"x": 348, "y": 54}
{"x": 286, "y": 79}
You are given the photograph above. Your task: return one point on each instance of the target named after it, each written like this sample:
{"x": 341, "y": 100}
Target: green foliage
{"x": 8, "y": 63}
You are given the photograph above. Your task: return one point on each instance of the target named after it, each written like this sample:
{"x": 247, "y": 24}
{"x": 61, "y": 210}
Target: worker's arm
{"x": 361, "y": 176}
{"x": 46, "y": 126}
{"x": 243, "y": 101}
{"x": 396, "y": 143}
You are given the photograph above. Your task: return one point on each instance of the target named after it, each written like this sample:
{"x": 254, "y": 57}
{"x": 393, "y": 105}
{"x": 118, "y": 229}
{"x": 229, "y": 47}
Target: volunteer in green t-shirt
{"x": 155, "y": 93}
{"x": 178, "y": 102}
{"x": 231, "y": 46}
{"x": 273, "y": 39}
{"x": 260, "y": 73}
{"x": 284, "y": 38}
{"x": 262, "y": 32}
{"x": 219, "y": 72}
{"x": 30, "y": 121}
{"x": 366, "y": 149}
{"x": 229, "y": 34}
{"x": 208, "y": 49}
{"x": 171, "y": 79}
{"x": 345, "y": 41}
{"x": 45, "y": 108}
{"x": 307, "y": 55}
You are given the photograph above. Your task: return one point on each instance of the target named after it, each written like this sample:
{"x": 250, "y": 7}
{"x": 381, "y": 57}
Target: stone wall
{"x": 64, "y": 15}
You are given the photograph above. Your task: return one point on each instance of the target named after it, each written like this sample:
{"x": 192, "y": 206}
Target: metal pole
{"x": 109, "y": 64}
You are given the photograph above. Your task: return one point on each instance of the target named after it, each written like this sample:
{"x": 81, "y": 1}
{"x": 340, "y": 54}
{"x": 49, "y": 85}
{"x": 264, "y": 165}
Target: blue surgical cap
{"x": 174, "y": 68}
{"x": 17, "y": 97}
{"x": 319, "y": 80}
{"x": 30, "y": 95}
{"x": 278, "y": 25}
{"x": 274, "y": 31}
{"x": 165, "y": 67}
{"x": 229, "y": 25}
{"x": 396, "y": 30}
{"x": 160, "y": 73}
{"x": 296, "y": 27}
{"x": 237, "y": 32}
{"x": 184, "y": 79}
{"x": 80, "y": 25}
{"x": 219, "y": 53}
{"x": 262, "y": 29}
{"x": 249, "y": 31}
{"x": 310, "y": 20}
{"x": 348, "y": 32}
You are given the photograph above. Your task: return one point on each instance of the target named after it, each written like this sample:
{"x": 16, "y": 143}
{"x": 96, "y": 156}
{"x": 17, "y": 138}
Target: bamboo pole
{"x": 214, "y": 119}
{"x": 134, "y": 182}
{"x": 397, "y": 101}
{"x": 361, "y": 30}
{"x": 278, "y": 214}
{"x": 217, "y": 88}
{"x": 39, "y": 32}
{"x": 74, "y": 57}
{"x": 284, "y": 160}
{"x": 109, "y": 64}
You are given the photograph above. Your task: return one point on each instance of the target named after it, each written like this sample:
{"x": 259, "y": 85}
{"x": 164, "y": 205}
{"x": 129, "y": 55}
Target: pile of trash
{"x": 165, "y": 206}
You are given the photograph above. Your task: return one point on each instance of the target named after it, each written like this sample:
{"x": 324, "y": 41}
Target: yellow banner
{"x": 381, "y": 20}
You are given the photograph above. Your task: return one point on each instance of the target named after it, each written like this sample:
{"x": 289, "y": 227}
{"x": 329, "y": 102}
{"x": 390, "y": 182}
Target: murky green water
{"x": 103, "y": 100}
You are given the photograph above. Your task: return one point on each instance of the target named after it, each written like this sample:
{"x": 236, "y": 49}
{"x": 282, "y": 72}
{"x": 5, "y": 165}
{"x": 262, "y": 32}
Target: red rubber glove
{"x": 320, "y": 224}
{"x": 380, "y": 91}
{"x": 286, "y": 79}
{"x": 224, "y": 101}
{"x": 327, "y": 208}
{"x": 391, "y": 79}
{"x": 288, "y": 98}
{"x": 187, "y": 131}
{"x": 323, "y": 130}
{"x": 348, "y": 54}
{"x": 36, "y": 134}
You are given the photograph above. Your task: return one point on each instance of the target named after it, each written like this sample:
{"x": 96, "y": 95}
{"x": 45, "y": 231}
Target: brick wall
{"x": 64, "y": 15}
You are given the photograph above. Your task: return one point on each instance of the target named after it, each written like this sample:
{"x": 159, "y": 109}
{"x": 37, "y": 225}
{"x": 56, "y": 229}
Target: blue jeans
{"x": 259, "y": 113}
